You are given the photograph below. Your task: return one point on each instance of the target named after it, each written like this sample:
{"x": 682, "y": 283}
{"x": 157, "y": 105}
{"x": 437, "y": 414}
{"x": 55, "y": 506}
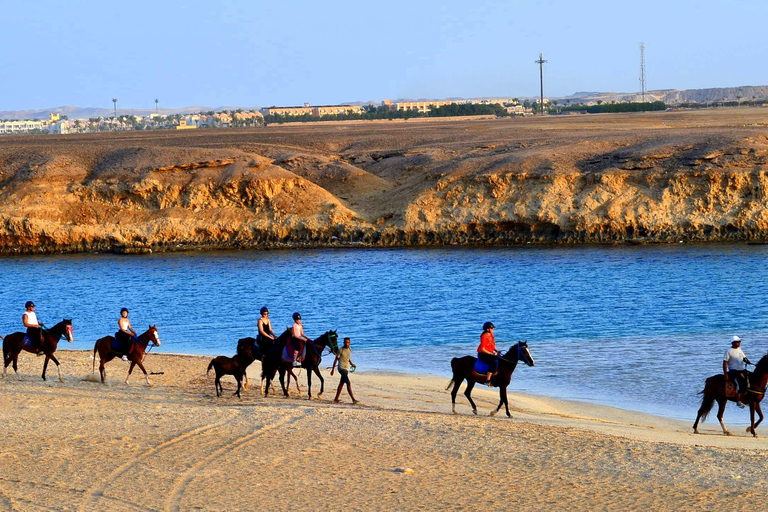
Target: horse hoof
{"x": 755, "y": 434}
{"x": 695, "y": 431}
{"x": 320, "y": 396}
{"x": 493, "y": 413}
{"x": 474, "y": 411}
{"x": 62, "y": 380}
{"x": 728, "y": 433}
{"x": 749, "y": 429}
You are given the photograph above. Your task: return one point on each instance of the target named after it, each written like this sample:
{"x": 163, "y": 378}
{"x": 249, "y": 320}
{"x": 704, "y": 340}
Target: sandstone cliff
{"x": 620, "y": 178}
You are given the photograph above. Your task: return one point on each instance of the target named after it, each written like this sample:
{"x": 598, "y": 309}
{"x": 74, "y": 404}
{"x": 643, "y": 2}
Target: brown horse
{"x": 714, "y": 391}
{"x": 13, "y": 344}
{"x": 272, "y": 361}
{"x": 463, "y": 368}
{"x": 235, "y": 366}
{"x": 104, "y": 347}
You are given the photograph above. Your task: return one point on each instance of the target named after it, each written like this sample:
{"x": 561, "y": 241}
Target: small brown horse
{"x": 714, "y": 391}
{"x": 13, "y": 344}
{"x": 235, "y": 366}
{"x": 104, "y": 347}
{"x": 463, "y": 368}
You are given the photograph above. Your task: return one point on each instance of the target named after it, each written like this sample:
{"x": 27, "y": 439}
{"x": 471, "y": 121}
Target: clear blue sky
{"x": 284, "y": 52}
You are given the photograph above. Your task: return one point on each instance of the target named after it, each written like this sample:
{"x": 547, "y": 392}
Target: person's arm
{"x": 334, "y": 364}
{"x": 725, "y": 370}
{"x": 744, "y": 358}
{"x": 130, "y": 328}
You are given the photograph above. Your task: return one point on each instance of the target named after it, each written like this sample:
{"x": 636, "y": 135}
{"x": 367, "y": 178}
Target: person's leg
{"x": 344, "y": 380}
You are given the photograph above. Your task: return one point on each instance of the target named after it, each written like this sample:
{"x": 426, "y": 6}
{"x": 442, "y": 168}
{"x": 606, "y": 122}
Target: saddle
{"x": 121, "y": 347}
{"x": 480, "y": 371}
{"x": 730, "y": 390}
{"x": 288, "y": 353}
{"x": 27, "y": 342}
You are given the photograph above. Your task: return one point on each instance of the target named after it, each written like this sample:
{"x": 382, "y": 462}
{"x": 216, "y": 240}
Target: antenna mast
{"x": 541, "y": 63}
{"x": 642, "y": 70}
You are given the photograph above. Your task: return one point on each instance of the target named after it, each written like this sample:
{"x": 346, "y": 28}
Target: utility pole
{"x": 541, "y": 63}
{"x": 642, "y": 70}
{"x": 114, "y": 102}
{"x": 157, "y": 111}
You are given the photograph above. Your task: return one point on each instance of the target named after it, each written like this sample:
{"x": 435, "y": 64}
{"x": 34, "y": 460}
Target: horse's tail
{"x": 707, "y": 401}
{"x": 210, "y": 366}
{"x": 95, "y": 347}
{"x": 453, "y": 368}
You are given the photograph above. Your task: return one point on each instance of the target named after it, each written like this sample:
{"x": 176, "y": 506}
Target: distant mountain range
{"x": 745, "y": 94}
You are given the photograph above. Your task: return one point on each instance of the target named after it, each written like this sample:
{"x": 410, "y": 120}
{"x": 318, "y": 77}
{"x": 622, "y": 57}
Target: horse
{"x": 13, "y": 344}
{"x": 235, "y": 366}
{"x": 104, "y": 347}
{"x": 273, "y": 360}
{"x": 714, "y": 391}
{"x": 463, "y": 368}
{"x": 252, "y": 343}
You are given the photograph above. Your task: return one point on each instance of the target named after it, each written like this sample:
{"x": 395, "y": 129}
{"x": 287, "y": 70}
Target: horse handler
{"x": 345, "y": 362}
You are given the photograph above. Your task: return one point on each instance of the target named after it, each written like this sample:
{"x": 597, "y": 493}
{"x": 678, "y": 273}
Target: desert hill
{"x": 665, "y": 176}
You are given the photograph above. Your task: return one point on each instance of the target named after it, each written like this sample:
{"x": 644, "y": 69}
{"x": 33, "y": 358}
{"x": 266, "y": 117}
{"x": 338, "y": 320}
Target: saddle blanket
{"x": 27, "y": 341}
{"x": 481, "y": 367}
{"x": 288, "y": 353}
{"x": 730, "y": 390}
{"x": 120, "y": 347}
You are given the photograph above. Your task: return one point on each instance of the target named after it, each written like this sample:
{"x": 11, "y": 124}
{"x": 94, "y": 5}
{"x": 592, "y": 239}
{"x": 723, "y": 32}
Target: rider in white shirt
{"x": 33, "y": 326}
{"x": 734, "y": 366}
{"x": 297, "y": 332}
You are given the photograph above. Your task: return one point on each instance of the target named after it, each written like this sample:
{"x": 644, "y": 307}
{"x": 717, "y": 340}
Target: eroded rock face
{"x": 470, "y": 182}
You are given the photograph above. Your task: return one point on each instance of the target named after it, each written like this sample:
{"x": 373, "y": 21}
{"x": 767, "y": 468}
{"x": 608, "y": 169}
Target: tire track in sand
{"x": 96, "y": 492}
{"x": 173, "y": 503}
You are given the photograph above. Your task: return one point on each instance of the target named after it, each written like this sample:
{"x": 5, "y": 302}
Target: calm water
{"x": 634, "y": 327}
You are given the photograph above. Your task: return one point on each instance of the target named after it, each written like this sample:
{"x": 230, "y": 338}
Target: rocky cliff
{"x": 577, "y": 179}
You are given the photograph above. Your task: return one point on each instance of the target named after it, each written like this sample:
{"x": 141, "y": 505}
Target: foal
{"x": 235, "y": 366}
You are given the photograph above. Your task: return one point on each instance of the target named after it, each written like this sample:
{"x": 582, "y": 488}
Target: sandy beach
{"x": 82, "y": 445}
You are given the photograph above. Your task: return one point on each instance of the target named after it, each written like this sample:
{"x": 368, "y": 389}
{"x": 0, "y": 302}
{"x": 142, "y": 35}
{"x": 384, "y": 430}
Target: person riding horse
{"x": 34, "y": 331}
{"x": 734, "y": 367}
{"x": 126, "y": 336}
{"x": 487, "y": 352}
{"x": 265, "y": 326}
{"x": 297, "y": 339}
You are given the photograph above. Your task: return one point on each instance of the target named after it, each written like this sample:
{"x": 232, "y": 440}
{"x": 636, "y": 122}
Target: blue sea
{"x": 637, "y": 327}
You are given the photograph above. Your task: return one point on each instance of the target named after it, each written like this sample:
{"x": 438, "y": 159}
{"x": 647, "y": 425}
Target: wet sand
{"x": 82, "y": 445}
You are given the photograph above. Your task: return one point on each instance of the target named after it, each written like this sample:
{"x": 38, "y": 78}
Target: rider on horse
{"x": 34, "y": 330}
{"x": 265, "y": 326}
{"x": 734, "y": 367}
{"x": 487, "y": 352}
{"x": 297, "y": 338}
{"x": 126, "y": 336}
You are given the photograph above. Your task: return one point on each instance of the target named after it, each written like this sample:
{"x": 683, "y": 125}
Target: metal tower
{"x": 642, "y": 70}
{"x": 541, "y": 63}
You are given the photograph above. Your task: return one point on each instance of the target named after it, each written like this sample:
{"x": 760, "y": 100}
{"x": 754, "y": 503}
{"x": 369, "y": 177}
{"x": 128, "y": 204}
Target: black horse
{"x": 247, "y": 352}
{"x": 463, "y": 368}
{"x": 272, "y": 360}
{"x": 13, "y": 344}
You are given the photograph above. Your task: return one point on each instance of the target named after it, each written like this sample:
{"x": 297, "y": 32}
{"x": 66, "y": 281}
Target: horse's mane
{"x": 762, "y": 365}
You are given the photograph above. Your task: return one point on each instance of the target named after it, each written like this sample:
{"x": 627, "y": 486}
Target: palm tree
{"x": 114, "y": 101}
{"x": 156, "y": 102}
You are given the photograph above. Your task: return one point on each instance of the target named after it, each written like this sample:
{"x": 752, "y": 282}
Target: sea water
{"x": 636, "y": 327}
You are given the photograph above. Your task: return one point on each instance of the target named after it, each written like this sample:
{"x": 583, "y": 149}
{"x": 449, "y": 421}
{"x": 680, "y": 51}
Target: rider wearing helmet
{"x": 487, "y": 352}
{"x": 126, "y": 335}
{"x": 33, "y": 326}
{"x": 265, "y": 325}
{"x": 297, "y": 333}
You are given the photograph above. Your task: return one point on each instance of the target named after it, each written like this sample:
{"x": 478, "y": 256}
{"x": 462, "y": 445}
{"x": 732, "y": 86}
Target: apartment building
{"x": 287, "y": 111}
{"x": 421, "y": 106}
{"x": 7, "y": 127}
{"x": 330, "y": 110}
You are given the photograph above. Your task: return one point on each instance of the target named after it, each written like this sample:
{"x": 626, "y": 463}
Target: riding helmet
{"x": 296, "y": 316}
{"x": 124, "y": 309}
{"x": 264, "y": 310}
{"x": 29, "y": 304}
{"x": 487, "y": 326}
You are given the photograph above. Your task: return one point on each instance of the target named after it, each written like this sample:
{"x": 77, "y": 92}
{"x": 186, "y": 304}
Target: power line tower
{"x": 541, "y": 63}
{"x": 642, "y": 71}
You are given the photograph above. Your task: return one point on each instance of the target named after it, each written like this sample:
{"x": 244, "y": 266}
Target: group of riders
{"x": 297, "y": 340}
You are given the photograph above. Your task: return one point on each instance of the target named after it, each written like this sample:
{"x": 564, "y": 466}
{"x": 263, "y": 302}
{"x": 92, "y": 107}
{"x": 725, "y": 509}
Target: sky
{"x": 263, "y": 53}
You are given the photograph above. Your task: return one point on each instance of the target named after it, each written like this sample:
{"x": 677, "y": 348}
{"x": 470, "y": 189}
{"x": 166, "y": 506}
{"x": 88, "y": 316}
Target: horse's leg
{"x": 456, "y": 385}
{"x": 322, "y": 382}
{"x": 245, "y": 386}
{"x": 502, "y": 401}
{"x": 238, "y": 378}
{"x": 759, "y": 410}
{"x": 58, "y": 366}
{"x": 281, "y": 372}
{"x": 217, "y": 383}
{"x": 752, "y": 419}
{"x": 45, "y": 364}
{"x": 146, "y": 375}
{"x": 130, "y": 369}
{"x": 16, "y": 364}
{"x": 309, "y": 383}
{"x": 720, "y": 410}
{"x": 468, "y": 394}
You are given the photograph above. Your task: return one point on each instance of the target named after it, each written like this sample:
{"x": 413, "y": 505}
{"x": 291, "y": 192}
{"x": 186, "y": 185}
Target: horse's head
{"x": 332, "y": 341}
{"x": 68, "y": 330}
{"x": 154, "y": 337}
{"x": 62, "y": 330}
{"x": 520, "y": 352}
{"x": 249, "y": 347}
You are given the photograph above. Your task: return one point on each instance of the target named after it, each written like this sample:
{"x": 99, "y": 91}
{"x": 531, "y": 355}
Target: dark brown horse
{"x": 714, "y": 391}
{"x": 13, "y": 344}
{"x": 247, "y": 352}
{"x": 272, "y": 360}
{"x": 463, "y": 369}
{"x": 106, "y": 353}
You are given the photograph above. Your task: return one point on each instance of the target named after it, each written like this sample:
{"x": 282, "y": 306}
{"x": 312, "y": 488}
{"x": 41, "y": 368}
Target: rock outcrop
{"x": 625, "y": 178}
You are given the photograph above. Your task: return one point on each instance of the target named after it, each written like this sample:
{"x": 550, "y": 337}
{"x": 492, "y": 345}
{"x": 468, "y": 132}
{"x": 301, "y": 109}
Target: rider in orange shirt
{"x": 487, "y": 352}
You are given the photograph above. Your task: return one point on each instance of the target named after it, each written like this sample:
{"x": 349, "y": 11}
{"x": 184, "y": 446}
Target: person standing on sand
{"x": 265, "y": 325}
{"x": 487, "y": 352}
{"x": 734, "y": 367}
{"x": 344, "y": 358}
{"x": 34, "y": 330}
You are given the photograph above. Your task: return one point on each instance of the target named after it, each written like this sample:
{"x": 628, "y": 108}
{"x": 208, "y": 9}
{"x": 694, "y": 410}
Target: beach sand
{"x": 82, "y": 445}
